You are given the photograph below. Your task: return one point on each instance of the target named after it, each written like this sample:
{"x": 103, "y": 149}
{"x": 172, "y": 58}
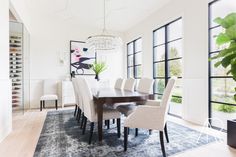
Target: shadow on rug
{"x": 62, "y": 137}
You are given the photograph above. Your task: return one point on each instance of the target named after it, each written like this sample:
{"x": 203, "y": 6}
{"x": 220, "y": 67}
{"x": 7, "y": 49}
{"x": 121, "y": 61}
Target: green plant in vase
{"x": 227, "y": 40}
{"x": 98, "y": 68}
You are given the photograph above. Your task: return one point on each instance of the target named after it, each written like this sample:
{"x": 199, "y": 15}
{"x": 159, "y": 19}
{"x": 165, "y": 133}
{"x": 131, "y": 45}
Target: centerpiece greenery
{"x": 227, "y": 56}
{"x": 98, "y": 68}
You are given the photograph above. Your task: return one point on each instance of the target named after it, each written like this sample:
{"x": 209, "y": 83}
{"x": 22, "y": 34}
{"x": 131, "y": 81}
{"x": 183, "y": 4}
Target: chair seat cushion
{"x": 49, "y": 97}
{"x": 124, "y": 104}
{"x": 108, "y": 113}
{"x": 126, "y": 109}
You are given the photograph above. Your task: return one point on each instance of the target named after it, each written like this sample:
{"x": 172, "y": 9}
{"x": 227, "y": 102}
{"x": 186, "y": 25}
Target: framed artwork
{"x": 81, "y": 59}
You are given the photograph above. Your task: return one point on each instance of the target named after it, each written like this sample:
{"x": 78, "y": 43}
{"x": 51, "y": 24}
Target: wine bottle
{"x": 14, "y": 45}
{"x": 15, "y": 59}
{"x": 14, "y": 92}
{"x": 16, "y": 84}
{"x": 16, "y": 80}
{"x": 15, "y": 97}
{"x": 15, "y": 67}
{"x": 15, "y": 50}
{"x": 14, "y": 75}
{"x": 15, "y": 105}
{"x": 15, "y": 54}
{"x": 15, "y": 37}
{"x": 15, "y": 88}
{"x": 15, "y": 71}
{"x": 15, "y": 63}
{"x": 15, "y": 101}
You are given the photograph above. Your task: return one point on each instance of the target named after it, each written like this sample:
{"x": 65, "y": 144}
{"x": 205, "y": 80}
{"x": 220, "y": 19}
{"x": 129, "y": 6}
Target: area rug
{"x": 61, "y": 136}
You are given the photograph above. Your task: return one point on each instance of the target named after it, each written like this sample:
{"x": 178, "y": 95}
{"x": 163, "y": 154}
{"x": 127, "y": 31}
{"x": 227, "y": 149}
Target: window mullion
{"x": 166, "y": 56}
{"x": 134, "y": 71}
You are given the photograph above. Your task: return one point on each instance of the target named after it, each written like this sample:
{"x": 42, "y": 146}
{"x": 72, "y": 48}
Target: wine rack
{"x": 16, "y": 70}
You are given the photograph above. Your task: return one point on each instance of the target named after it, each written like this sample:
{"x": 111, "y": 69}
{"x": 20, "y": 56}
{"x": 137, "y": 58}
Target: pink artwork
{"x": 81, "y": 59}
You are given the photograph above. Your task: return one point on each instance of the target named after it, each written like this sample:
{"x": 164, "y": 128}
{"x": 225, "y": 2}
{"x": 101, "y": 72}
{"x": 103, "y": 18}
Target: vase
{"x": 97, "y": 77}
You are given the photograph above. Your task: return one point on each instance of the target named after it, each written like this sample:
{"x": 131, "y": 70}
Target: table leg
{"x": 100, "y": 120}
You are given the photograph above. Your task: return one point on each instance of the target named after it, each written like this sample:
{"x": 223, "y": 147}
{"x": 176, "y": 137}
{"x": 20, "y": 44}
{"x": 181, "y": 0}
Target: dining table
{"x": 112, "y": 96}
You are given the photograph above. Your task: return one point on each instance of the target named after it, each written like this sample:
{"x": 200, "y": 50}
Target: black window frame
{"x": 134, "y": 55}
{"x": 210, "y": 74}
{"x": 166, "y": 60}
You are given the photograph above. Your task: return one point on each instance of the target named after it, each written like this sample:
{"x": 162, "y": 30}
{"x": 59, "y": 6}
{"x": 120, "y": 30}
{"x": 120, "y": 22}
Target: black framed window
{"x": 221, "y": 87}
{"x": 167, "y": 62}
{"x": 134, "y": 59}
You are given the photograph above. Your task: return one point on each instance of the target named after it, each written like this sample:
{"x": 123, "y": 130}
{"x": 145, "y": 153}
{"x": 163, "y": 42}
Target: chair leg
{"x": 81, "y": 126}
{"x": 166, "y": 133}
{"x": 56, "y": 104}
{"x": 79, "y": 111}
{"x": 150, "y": 131}
{"x": 136, "y": 132}
{"x": 91, "y": 132}
{"x": 108, "y": 124}
{"x": 162, "y": 144}
{"x": 77, "y": 114}
{"x": 75, "y": 110}
{"x": 41, "y": 105}
{"x": 84, "y": 127}
{"x": 125, "y": 138}
{"x": 118, "y": 127}
{"x": 113, "y": 121}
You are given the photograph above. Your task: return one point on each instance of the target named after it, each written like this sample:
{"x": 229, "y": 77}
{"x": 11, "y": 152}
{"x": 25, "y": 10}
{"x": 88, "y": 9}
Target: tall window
{"x": 221, "y": 87}
{"x": 167, "y": 62}
{"x": 134, "y": 58}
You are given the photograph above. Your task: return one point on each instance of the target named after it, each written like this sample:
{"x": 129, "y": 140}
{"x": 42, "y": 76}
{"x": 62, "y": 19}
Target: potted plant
{"x": 227, "y": 58}
{"x": 98, "y": 67}
{"x": 227, "y": 39}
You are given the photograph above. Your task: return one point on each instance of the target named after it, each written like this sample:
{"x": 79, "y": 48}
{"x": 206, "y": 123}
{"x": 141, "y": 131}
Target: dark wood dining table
{"x": 110, "y": 96}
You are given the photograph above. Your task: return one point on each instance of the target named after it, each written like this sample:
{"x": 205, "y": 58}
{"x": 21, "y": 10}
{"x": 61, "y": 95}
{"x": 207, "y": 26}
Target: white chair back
{"x": 145, "y": 85}
{"x": 88, "y": 105}
{"x": 50, "y": 87}
{"x": 75, "y": 90}
{"x": 129, "y": 84}
{"x": 119, "y": 83}
{"x": 78, "y": 97}
{"x": 165, "y": 102}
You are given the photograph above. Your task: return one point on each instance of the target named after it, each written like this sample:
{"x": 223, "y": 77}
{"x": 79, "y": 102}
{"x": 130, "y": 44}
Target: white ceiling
{"x": 121, "y": 14}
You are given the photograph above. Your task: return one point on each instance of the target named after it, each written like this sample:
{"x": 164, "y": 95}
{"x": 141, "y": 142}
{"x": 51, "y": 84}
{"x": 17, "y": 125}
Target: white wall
{"x": 49, "y": 40}
{"x": 5, "y": 83}
{"x": 195, "y": 55}
{"x": 20, "y": 9}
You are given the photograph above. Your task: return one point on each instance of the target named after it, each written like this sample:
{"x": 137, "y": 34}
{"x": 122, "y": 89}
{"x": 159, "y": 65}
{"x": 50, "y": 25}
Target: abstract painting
{"x": 81, "y": 59}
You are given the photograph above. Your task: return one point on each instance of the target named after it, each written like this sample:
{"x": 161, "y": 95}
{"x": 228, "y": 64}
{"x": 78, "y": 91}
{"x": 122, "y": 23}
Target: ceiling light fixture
{"x": 104, "y": 41}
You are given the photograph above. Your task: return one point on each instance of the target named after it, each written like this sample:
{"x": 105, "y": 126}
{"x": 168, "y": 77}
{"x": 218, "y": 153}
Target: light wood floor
{"x": 26, "y": 130}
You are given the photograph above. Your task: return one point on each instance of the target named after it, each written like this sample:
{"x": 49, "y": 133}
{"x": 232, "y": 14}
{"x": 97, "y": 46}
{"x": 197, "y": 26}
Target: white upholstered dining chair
{"x": 129, "y": 84}
{"x": 145, "y": 86}
{"x": 79, "y": 105}
{"x": 119, "y": 83}
{"x": 49, "y": 93}
{"x": 90, "y": 110}
{"x": 151, "y": 117}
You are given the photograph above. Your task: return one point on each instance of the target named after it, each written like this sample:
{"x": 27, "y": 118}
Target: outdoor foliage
{"x": 224, "y": 108}
{"x": 176, "y": 100}
{"x": 174, "y": 70}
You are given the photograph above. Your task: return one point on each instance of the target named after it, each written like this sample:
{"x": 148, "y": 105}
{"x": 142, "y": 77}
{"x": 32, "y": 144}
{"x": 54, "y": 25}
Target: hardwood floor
{"x": 24, "y": 136}
{"x": 26, "y": 131}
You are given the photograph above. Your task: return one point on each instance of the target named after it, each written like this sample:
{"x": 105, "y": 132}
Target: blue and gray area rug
{"x": 62, "y": 137}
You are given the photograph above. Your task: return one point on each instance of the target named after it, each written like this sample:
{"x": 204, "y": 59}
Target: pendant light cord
{"x": 104, "y": 16}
